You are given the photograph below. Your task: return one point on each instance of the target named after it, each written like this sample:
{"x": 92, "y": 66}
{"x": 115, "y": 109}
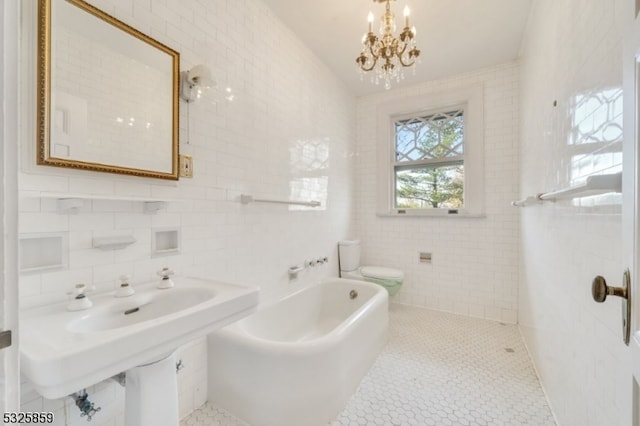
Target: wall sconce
{"x": 194, "y": 81}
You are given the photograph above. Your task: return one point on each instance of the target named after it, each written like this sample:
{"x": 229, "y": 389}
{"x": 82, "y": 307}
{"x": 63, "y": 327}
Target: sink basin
{"x": 140, "y": 307}
{"x": 63, "y": 352}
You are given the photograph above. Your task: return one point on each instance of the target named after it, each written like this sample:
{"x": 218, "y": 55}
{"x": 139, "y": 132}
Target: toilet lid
{"x": 381, "y": 273}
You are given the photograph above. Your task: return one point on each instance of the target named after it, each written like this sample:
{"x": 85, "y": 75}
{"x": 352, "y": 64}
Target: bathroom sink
{"x": 63, "y": 352}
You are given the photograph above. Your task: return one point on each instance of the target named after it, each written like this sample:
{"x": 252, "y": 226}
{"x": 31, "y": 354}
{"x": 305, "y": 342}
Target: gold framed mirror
{"x": 107, "y": 94}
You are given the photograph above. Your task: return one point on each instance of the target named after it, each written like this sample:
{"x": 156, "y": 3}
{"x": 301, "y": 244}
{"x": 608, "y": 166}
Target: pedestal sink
{"x": 63, "y": 352}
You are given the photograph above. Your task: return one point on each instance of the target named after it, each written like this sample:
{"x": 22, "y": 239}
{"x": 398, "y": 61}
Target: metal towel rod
{"x": 246, "y": 199}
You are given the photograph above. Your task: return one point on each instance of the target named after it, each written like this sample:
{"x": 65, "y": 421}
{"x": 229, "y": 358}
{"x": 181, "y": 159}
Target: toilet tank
{"x": 349, "y": 253}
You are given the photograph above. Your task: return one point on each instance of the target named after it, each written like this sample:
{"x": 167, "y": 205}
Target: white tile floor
{"x": 438, "y": 369}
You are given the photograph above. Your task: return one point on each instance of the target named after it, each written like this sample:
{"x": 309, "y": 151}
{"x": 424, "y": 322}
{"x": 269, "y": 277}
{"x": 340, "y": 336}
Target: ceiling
{"x": 454, "y": 36}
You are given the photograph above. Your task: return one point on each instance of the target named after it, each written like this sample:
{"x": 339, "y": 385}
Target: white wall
{"x": 572, "y": 55}
{"x": 475, "y": 263}
{"x": 289, "y": 132}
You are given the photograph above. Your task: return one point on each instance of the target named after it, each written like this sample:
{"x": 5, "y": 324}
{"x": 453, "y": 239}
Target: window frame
{"x": 471, "y": 100}
{"x": 429, "y": 163}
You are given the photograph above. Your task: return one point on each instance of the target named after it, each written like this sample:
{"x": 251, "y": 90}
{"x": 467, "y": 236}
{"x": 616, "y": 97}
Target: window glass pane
{"x": 428, "y": 137}
{"x": 430, "y": 187}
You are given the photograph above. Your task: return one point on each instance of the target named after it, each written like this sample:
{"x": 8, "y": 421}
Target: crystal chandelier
{"x": 387, "y": 55}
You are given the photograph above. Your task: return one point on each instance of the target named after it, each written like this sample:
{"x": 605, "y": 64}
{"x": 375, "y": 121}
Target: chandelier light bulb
{"x": 370, "y": 20}
{"x": 407, "y": 12}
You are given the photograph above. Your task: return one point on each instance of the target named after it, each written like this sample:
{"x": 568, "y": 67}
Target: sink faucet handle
{"x": 80, "y": 291}
{"x": 125, "y": 289}
{"x": 166, "y": 281}
{"x": 165, "y": 272}
{"x": 80, "y": 302}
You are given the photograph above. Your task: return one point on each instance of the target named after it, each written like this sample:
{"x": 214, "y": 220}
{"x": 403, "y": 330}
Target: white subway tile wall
{"x": 475, "y": 261}
{"x": 286, "y": 102}
{"x": 571, "y": 119}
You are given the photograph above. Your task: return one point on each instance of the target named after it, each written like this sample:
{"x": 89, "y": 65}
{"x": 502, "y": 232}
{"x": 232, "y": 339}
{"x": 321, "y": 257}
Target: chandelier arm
{"x": 401, "y": 52}
{"x": 373, "y": 57}
{"x": 373, "y": 65}
{"x": 406, "y": 64}
{"x": 399, "y": 55}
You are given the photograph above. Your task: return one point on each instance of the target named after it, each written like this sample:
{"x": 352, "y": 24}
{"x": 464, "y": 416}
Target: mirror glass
{"x": 108, "y": 94}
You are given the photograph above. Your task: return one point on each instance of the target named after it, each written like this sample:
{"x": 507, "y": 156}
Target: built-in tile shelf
{"x": 69, "y": 202}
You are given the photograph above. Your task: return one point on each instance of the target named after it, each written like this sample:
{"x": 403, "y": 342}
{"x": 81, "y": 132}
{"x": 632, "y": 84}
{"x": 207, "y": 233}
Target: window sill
{"x": 438, "y": 214}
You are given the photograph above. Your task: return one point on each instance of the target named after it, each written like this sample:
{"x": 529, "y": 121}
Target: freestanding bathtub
{"x": 297, "y": 361}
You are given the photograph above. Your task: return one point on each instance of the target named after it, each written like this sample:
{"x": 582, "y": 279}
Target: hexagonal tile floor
{"x": 437, "y": 369}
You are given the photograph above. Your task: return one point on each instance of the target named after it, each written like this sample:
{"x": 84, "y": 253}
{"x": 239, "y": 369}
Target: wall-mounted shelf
{"x": 71, "y": 202}
{"x": 114, "y": 242}
{"x": 593, "y": 185}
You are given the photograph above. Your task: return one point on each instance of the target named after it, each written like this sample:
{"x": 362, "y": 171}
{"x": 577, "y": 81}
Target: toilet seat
{"x": 381, "y": 273}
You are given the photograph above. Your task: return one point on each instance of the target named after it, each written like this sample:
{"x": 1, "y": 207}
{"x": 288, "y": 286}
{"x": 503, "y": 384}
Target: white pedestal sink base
{"x": 151, "y": 394}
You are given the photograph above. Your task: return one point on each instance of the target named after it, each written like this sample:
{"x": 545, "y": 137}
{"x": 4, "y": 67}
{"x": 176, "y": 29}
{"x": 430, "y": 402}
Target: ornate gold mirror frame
{"x": 142, "y": 139}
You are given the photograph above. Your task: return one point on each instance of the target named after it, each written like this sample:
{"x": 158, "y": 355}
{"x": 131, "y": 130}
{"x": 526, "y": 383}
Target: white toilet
{"x": 349, "y": 256}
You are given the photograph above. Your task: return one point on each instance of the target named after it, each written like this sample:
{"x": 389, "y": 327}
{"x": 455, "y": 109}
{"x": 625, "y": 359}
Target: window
{"x": 430, "y": 155}
{"x": 429, "y": 160}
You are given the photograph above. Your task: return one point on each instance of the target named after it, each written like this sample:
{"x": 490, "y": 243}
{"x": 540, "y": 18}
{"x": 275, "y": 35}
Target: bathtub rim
{"x": 234, "y": 332}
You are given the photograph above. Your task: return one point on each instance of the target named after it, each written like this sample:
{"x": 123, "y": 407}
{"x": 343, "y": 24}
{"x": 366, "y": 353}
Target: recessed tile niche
{"x": 165, "y": 241}
{"x": 43, "y": 252}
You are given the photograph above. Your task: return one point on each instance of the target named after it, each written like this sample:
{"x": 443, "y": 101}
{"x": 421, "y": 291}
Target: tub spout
{"x": 294, "y": 270}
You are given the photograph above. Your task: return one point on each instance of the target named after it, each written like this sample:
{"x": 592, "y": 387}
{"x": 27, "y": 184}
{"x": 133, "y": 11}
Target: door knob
{"x": 600, "y": 290}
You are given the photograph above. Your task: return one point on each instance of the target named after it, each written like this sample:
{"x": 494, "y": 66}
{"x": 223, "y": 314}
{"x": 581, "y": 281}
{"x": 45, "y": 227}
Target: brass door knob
{"x": 600, "y": 290}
